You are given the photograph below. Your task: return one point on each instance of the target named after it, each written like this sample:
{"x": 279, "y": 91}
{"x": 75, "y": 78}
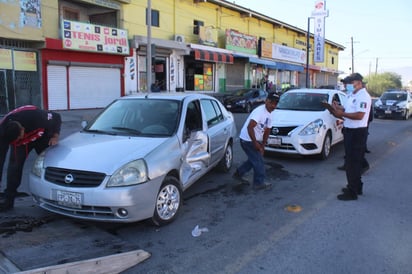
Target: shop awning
{"x": 287, "y": 66}
{"x": 213, "y": 56}
{"x": 267, "y": 63}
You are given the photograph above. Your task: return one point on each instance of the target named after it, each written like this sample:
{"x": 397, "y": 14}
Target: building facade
{"x": 81, "y": 54}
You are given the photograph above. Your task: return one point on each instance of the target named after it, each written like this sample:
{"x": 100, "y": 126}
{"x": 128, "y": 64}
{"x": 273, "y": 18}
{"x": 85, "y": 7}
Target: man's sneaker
{"x": 239, "y": 178}
{"x": 262, "y": 186}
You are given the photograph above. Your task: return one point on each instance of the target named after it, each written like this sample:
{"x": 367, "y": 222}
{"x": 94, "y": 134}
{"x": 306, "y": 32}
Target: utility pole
{"x": 149, "y": 46}
{"x": 376, "y": 68}
{"x": 353, "y": 58}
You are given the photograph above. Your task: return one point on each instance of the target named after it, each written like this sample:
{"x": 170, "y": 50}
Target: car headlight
{"x": 241, "y": 102}
{"x": 401, "y": 105}
{"x": 38, "y": 166}
{"x": 378, "y": 103}
{"x": 312, "y": 128}
{"x": 132, "y": 173}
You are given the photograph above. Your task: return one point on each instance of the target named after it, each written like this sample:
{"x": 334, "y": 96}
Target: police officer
{"x": 355, "y": 114}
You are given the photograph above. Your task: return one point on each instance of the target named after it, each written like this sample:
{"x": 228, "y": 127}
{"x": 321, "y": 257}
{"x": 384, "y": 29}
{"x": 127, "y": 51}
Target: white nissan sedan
{"x": 135, "y": 159}
{"x": 301, "y": 125}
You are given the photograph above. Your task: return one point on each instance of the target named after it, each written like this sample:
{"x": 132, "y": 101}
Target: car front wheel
{"x": 326, "y": 147}
{"x": 248, "y": 108}
{"x": 168, "y": 202}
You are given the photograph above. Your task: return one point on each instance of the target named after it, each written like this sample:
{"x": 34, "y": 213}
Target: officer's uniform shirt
{"x": 358, "y": 102}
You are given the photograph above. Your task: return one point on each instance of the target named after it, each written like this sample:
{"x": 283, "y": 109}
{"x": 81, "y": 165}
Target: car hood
{"x": 281, "y": 117}
{"x": 98, "y": 152}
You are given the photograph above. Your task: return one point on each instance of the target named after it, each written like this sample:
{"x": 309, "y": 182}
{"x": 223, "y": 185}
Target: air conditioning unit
{"x": 179, "y": 38}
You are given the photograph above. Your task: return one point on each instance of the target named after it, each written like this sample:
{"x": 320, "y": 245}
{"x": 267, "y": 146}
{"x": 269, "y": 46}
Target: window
{"x": 333, "y": 60}
{"x": 70, "y": 14}
{"x": 193, "y": 120}
{"x": 196, "y": 25}
{"x": 155, "y": 18}
{"x": 212, "y": 112}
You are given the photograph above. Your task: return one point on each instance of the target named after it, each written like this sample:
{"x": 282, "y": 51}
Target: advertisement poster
{"x": 241, "y": 42}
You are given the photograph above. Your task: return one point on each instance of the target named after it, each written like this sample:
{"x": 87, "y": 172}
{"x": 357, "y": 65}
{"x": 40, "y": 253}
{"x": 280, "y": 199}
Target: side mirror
{"x": 84, "y": 124}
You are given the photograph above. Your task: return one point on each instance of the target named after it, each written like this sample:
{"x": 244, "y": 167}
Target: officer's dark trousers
{"x": 355, "y": 146}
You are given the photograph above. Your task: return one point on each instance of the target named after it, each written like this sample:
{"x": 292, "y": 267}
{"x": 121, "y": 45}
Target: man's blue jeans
{"x": 254, "y": 160}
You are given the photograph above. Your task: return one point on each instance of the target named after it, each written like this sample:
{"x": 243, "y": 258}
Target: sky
{"x": 381, "y": 30}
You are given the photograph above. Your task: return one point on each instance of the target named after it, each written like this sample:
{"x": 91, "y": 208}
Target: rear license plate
{"x": 274, "y": 141}
{"x": 69, "y": 199}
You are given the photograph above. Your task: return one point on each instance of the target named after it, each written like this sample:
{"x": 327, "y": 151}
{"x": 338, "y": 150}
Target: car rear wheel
{"x": 327, "y": 143}
{"x": 226, "y": 163}
{"x": 248, "y": 108}
{"x": 168, "y": 202}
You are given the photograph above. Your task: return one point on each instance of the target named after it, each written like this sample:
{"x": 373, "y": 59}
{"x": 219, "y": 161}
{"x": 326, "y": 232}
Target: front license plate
{"x": 229, "y": 106}
{"x": 70, "y": 199}
{"x": 274, "y": 141}
{"x": 388, "y": 112}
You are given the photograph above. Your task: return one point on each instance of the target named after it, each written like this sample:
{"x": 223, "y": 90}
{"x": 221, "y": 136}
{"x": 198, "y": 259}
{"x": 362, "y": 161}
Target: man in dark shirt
{"x": 24, "y": 129}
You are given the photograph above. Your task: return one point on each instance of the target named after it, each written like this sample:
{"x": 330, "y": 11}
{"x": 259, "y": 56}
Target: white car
{"x": 135, "y": 159}
{"x": 302, "y": 126}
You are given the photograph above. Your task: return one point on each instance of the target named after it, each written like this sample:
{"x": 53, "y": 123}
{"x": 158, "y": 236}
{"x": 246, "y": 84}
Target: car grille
{"x": 86, "y": 212}
{"x": 77, "y": 178}
{"x": 282, "y": 131}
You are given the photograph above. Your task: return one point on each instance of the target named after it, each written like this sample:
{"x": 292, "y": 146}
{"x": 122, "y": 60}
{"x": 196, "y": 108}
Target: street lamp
{"x": 149, "y": 46}
{"x": 307, "y": 52}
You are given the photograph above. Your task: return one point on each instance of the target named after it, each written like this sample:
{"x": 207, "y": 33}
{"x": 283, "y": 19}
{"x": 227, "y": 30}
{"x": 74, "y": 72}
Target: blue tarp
{"x": 275, "y": 65}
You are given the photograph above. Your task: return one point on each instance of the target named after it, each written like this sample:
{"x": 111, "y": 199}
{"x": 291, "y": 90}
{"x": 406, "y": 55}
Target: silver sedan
{"x": 134, "y": 161}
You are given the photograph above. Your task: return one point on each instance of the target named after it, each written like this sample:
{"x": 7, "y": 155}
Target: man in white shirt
{"x": 355, "y": 115}
{"x": 253, "y": 137}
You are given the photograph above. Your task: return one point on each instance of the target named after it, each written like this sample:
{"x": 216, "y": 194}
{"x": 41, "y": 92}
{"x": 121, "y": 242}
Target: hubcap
{"x": 168, "y": 202}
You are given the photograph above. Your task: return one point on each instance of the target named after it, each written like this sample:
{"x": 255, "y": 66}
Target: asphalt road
{"x": 259, "y": 231}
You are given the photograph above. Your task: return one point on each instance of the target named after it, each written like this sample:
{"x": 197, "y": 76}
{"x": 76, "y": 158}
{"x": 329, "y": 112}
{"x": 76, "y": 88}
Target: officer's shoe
{"x": 6, "y": 204}
{"x": 348, "y": 196}
{"x": 359, "y": 192}
{"x": 265, "y": 186}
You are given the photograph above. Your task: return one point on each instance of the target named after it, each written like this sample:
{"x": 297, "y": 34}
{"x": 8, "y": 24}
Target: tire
{"x": 406, "y": 117}
{"x": 248, "y": 108}
{"x": 227, "y": 161}
{"x": 168, "y": 202}
{"x": 326, "y": 147}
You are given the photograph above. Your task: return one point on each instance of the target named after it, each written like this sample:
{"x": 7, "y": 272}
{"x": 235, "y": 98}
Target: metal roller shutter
{"x": 235, "y": 75}
{"x": 57, "y": 87}
{"x": 92, "y": 87}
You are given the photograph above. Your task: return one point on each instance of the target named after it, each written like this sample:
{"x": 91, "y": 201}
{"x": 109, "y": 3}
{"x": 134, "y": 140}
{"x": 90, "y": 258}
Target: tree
{"x": 379, "y": 83}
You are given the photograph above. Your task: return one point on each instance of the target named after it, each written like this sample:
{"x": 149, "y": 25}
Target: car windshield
{"x": 138, "y": 117}
{"x": 394, "y": 96}
{"x": 302, "y": 101}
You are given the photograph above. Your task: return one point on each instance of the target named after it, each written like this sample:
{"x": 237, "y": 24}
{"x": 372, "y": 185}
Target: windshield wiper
{"x": 99, "y": 131}
{"x": 129, "y": 130}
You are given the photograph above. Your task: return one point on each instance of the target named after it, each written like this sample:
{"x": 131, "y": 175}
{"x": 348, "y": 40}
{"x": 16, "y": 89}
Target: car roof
{"x": 395, "y": 91}
{"x": 180, "y": 96}
{"x": 314, "y": 90}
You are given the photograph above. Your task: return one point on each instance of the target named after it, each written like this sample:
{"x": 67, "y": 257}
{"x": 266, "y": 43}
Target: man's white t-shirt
{"x": 358, "y": 102}
{"x": 263, "y": 119}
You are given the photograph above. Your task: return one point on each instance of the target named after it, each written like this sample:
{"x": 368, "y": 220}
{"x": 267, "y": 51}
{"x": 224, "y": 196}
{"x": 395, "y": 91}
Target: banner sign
{"x": 25, "y": 60}
{"x": 208, "y": 36}
{"x": 94, "y": 38}
{"x": 6, "y": 61}
{"x": 319, "y": 15}
{"x": 241, "y": 42}
{"x": 288, "y": 54}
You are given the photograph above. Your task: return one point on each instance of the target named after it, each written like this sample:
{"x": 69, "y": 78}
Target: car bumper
{"x": 300, "y": 145}
{"x": 113, "y": 204}
{"x": 398, "y": 113}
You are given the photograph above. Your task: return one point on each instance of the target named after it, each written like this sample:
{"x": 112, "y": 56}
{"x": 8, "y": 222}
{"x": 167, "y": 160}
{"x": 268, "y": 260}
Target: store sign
{"x": 319, "y": 15}
{"x": 288, "y": 54}
{"x": 6, "y": 61}
{"x": 241, "y": 42}
{"x": 208, "y": 36}
{"x": 23, "y": 60}
{"x": 94, "y": 38}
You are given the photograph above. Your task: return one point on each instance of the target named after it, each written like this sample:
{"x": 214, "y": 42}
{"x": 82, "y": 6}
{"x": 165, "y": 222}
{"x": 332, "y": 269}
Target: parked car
{"x": 244, "y": 99}
{"x": 135, "y": 159}
{"x": 301, "y": 125}
{"x": 394, "y": 104}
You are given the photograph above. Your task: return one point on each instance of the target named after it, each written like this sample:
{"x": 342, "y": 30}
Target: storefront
{"x": 167, "y": 63}
{"x": 81, "y": 74}
{"x": 206, "y": 67}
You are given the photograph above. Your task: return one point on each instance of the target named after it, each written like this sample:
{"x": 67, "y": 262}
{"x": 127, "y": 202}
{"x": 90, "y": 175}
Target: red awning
{"x": 213, "y": 56}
